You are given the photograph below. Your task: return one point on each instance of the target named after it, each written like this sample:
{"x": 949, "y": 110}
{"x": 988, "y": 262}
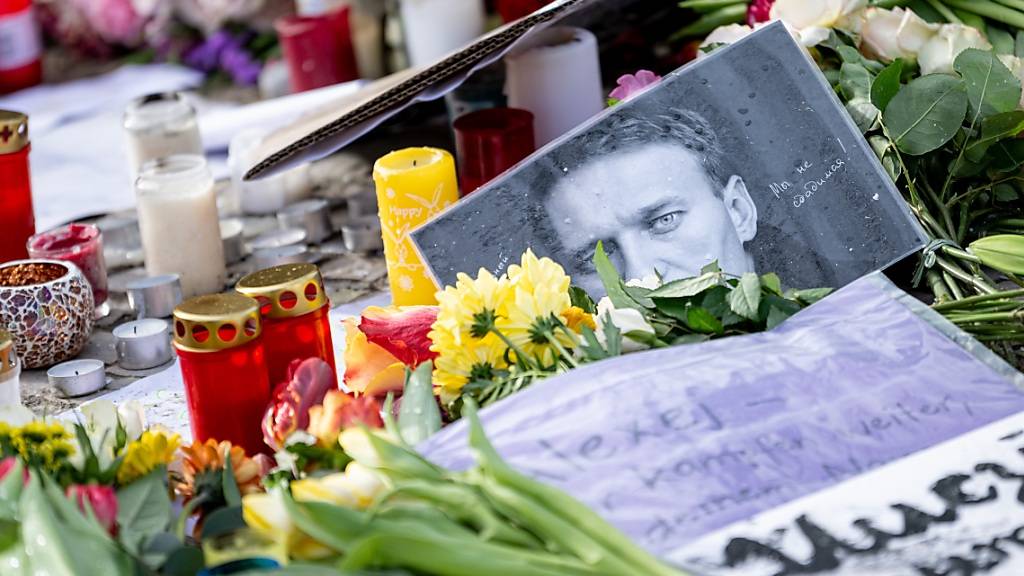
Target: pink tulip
{"x": 308, "y": 382}
{"x": 103, "y": 501}
{"x": 7, "y": 464}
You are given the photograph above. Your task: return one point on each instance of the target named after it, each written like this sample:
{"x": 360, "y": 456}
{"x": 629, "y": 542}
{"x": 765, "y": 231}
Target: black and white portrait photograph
{"x": 744, "y": 157}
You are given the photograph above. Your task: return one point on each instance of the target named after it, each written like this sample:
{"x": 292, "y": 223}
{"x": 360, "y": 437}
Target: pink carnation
{"x": 116, "y": 21}
{"x": 630, "y": 85}
{"x": 759, "y": 11}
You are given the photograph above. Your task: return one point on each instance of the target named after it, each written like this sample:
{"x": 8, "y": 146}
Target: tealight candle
{"x": 413, "y": 185}
{"x": 362, "y": 234}
{"x": 433, "y": 28}
{"x": 155, "y": 296}
{"x": 142, "y": 344}
{"x": 231, "y": 236}
{"x": 538, "y": 76}
{"x": 278, "y": 239}
{"x": 80, "y": 244}
{"x": 268, "y": 257}
{"x": 266, "y": 195}
{"x": 224, "y": 368}
{"x": 179, "y": 224}
{"x": 10, "y": 371}
{"x": 160, "y": 125}
{"x": 313, "y": 216}
{"x": 77, "y": 377}
{"x": 295, "y": 311}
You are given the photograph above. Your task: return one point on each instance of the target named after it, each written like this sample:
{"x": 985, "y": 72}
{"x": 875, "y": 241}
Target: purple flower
{"x": 630, "y": 85}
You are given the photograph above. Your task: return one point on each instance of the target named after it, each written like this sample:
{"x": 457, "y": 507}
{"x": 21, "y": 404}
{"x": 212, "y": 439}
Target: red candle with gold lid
{"x": 295, "y": 312}
{"x": 220, "y": 351}
{"x": 17, "y": 221}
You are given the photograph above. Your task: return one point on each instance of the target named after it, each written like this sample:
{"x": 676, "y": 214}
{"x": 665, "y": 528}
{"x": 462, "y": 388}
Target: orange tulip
{"x": 340, "y": 411}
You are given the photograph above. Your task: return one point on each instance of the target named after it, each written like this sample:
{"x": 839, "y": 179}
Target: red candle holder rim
{"x": 494, "y": 121}
{"x": 64, "y": 240}
{"x": 298, "y": 23}
{"x": 69, "y": 270}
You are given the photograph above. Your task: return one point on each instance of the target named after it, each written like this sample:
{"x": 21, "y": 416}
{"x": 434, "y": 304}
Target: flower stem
{"x": 561, "y": 350}
{"x": 971, "y": 301}
{"x": 990, "y": 9}
{"x": 944, "y": 11}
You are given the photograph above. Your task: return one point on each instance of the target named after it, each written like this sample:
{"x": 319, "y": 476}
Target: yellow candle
{"x": 413, "y": 186}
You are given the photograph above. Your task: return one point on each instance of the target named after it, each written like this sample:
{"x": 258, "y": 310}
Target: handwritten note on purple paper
{"x": 672, "y": 444}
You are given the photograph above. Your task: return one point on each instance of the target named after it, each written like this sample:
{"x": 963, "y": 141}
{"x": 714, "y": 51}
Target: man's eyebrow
{"x": 658, "y": 208}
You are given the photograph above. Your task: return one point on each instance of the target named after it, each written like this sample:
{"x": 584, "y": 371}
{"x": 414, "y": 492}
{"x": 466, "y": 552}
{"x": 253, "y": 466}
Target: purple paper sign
{"x": 671, "y": 444}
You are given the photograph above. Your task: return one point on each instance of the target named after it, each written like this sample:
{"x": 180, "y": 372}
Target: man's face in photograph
{"x": 655, "y": 208}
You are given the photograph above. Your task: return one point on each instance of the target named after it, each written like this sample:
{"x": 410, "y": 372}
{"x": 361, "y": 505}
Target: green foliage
{"x": 926, "y": 113}
{"x": 143, "y": 510}
{"x": 419, "y": 417}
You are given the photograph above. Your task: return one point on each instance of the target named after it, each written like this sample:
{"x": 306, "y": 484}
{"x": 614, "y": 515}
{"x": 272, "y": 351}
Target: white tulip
{"x": 133, "y": 419}
{"x": 355, "y": 441}
{"x": 625, "y": 319}
{"x": 364, "y": 482}
{"x": 333, "y": 488}
{"x": 1016, "y": 66}
{"x": 939, "y": 52}
{"x": 898, "y": 33}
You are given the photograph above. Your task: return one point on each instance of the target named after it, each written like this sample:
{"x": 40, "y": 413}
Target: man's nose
{"x": 639, "y": 259}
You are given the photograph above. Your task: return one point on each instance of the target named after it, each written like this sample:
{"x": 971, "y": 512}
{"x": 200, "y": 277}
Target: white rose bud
{"x": 625, "y": 319}
{"x": 727, "y": 34}
{"x": 939, "y": 52}
{"x": 898, "y": 33}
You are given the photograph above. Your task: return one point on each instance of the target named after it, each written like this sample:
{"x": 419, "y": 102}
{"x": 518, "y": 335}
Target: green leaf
{"x": 222, "y": 521}
{"x": 863, "y": 113}
{"x": 746, "y": 297}
{"x": 700, "y": 320}
{"x": 776, "y": 317}
{"x": 612, "y": 337}
{"x": 772, "y": 283}
{"x": 419, "y": 417}
{"x": 143, "y": 509}
{"x": 232, "y": 495}
{"x": 578, "y": 297}
{"x": 991, "y": 87}
{"x": 1018, "y": 48}
{"x": 993, "y": 129}
{"x": 613, "y": 284}
{"x": 925, "y": 114}
{"x": 851, "y": 55}
{"x": 1007, "y": 156}
{"x": 591, "y": 346}
{"x": 1004, "y": 252}
{"x": 1005, "y": 193}
{"x": 887, "y": 85}
{"x": 711, "y": 267}
{"x": 690, "y": 339}
{"x": 808, "y": 296}
{"x": 10, "y": 491}
{"x": 185, "y": 561}
{"x": 688, "y": 286}
{"x": 645, "y": 338}
{"x": 855, "y": 81}
{"x": 1001, "y": 40}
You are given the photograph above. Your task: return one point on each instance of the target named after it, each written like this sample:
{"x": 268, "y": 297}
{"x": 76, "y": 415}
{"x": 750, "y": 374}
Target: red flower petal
{"x": 309, "y": 381}
{"x": 401, "y": 331}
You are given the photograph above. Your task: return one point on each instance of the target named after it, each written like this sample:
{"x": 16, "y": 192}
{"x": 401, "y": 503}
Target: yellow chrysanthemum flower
{"x": 576, "y": 318}
{"x": 468, "y": 309}
{"x": 534, "y": 273}
{"x": 531, "y": 318}
{"x": 142, "y": 456}
{"x": 457, "y": 366}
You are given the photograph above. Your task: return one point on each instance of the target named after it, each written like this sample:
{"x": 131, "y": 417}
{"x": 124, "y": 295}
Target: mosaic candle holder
{"x": 47, "y": 306}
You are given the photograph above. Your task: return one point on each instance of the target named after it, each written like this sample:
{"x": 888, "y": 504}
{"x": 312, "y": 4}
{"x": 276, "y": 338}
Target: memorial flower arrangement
{"x": 228, "y": 40}
{"x": 938, "y": 97}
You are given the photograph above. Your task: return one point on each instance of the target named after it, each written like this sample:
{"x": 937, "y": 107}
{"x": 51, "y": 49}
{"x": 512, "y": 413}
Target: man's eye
{"x": 666, "y": 222}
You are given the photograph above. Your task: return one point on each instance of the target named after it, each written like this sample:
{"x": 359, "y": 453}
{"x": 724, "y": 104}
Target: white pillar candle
{"x": 143, "y": 344}
{"x": 179, "y": 224}
{"x": 558, "y": 78}
{"x": 433, "y": 28}
{"x": 266, "y": 195}
{"x": 160, "y": 125}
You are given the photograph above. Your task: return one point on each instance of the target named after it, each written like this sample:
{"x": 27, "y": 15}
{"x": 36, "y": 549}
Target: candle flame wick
{"x": 76, "y": 372}
{"x": 414, "y": 162}
{"x": 135, "y": 330}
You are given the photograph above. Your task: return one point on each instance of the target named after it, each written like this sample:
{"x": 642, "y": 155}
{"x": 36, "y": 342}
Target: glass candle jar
{"x": 160, "y": 125}
{"x": 220, "y": 351}
{"x": 17, "y": 220}
{"x": 10, "y": 372}
{"x": 295, "y": 311}
{"x": 179, "y": 223}
{"x": 80, "y": 244}
{"x": 21, "y": 46}
{"x": 489, "y": 142}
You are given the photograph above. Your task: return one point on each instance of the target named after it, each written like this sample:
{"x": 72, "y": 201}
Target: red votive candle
{"x": 80, "y": 244}
{"x": 295, "y": 312}
{"x": 318, "y": 49}
{"x": 17, "y": 221}
{"x": 21, "y": 46}
{"x": 512, "y": 10}
{"x": 220, "y": 351}
{"x": 489, "y": 142}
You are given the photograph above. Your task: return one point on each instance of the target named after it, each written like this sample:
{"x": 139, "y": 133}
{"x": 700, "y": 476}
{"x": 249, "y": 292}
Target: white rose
{"x": 133, "y": 418}
{"x": 897, "y": 33}
{"x": 625, "y": 319}
{"x": 1016, "y": 66}
{"x": 939, "y": 52}
{"x": 726, "y": 35}
{"x": 807, "y": 37}
{"x": 803, "y": 14}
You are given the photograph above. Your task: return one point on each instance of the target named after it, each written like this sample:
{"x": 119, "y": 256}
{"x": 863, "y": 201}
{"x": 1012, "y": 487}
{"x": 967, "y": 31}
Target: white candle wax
{"x": 179, "y": 223}
{"x": 160, "y": 125}
{"x": 557, "y": 78}
{"x": 143, "y": 344}
{"x": 433, "y": 28}
{"x": 78, "y": 377}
